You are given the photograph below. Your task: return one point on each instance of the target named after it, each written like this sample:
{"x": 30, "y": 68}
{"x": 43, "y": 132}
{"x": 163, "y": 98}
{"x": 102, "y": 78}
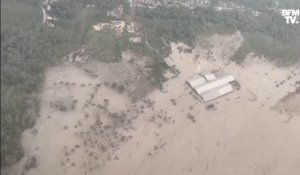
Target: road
{"x": 44, "y": 11}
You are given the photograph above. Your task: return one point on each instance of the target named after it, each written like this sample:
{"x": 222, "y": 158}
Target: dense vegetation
{"x": 266, "y": 34}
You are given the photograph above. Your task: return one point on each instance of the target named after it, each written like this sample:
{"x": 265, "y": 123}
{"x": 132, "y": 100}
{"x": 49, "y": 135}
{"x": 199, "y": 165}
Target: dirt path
{"x": 44, "y": 3}
{"x": 44, "y": 15}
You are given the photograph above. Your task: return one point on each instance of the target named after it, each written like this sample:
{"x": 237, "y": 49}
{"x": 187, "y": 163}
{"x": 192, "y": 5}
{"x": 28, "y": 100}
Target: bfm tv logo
{"x": 290, "y": 15}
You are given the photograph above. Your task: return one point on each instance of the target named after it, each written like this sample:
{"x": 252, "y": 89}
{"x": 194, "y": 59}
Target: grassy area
{"x": 279, "y": 52}
{"x": 20, "y": 15}
{"x": 105, "y": 46}
{"x": 266, "y": 35}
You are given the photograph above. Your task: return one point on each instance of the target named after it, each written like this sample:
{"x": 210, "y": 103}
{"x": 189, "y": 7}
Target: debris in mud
{"x": 118, "y": 87}
{"x": 191, "y": 117}
{"x": 34, "y": 132}
{"x": 211, "y": 107}
{"x": 31, "y": 163}
{"x": 64, "y": 104}
{"x": 173, "y": 101}
{"x": 289, "y": 104}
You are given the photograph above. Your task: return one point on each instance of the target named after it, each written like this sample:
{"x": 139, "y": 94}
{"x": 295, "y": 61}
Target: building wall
{"x": 214, "y": 84}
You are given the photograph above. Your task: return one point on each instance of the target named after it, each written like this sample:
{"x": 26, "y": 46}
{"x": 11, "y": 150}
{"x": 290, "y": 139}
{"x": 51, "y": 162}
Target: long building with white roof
{"x": 225, "y": 79}
{"x": 209, "y": 86}
{"x": 217, "y": 92}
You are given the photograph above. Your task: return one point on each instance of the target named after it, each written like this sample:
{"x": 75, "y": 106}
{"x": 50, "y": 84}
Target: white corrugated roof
{"x": 209, "y": 76}
{"x": 217, "y": 92}
{"x": 196, "y": 81}
{"x": 214, "y": 84}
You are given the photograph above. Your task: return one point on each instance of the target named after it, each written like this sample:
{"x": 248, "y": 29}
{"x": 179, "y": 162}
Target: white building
{"x": 209, "y": 76}
{"x": 116, "y": 26}
{"x": 210, "y": 86}
{"x": 225, "y": 79}
{"x": 135, "y": 39}
{"x": 196, "y": 81}
{"x": 217, "y": 92}
{"x": 101, "y": 26}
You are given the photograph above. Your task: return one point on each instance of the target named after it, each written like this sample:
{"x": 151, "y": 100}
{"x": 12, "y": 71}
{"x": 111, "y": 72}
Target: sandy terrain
{"x": 95, "y": 129}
